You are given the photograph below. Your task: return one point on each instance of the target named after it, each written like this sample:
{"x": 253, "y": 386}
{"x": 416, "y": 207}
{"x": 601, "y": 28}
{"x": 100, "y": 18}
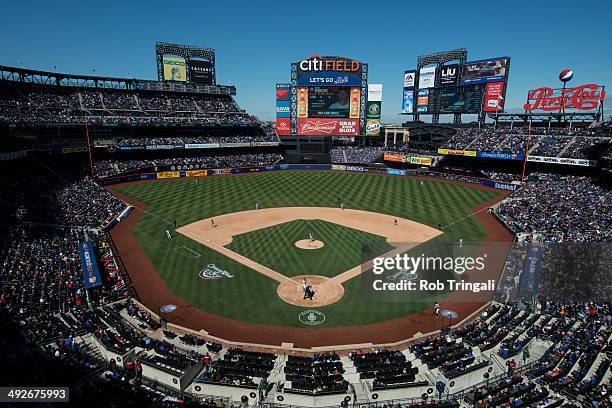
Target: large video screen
{"x": 174, "y": 69}
{"x": 201, "y": 72}
{"x": 333, "y": 102}
{"x": 491, "y": 70}
{"x": 458, "y": 101}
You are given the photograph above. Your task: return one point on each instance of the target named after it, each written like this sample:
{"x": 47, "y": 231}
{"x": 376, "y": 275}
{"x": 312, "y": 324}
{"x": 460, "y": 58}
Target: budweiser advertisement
{"x": 583, "y": 97}
{"x": 325, "y": 127}
{"x": 283, "y": 126}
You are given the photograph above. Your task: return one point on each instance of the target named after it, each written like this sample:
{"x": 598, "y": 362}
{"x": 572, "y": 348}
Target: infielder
{"x": 168, "y": 234}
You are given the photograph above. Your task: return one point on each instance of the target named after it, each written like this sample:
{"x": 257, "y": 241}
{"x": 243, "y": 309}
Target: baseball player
{"x": 168, "y": 234}
{"x": 460, "y": 242}
{"x": 311, "y": 237}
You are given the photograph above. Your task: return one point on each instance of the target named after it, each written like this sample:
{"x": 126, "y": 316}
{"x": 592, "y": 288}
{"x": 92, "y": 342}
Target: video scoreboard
{"x": 469, "y": 88}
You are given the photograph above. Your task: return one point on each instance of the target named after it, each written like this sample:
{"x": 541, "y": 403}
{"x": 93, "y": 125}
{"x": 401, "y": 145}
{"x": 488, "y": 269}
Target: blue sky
{"x": 256, "y": 41}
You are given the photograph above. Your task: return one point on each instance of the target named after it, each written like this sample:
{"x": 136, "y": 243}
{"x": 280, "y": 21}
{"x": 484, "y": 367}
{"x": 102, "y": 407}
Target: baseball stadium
{"x": 168, "y": 240}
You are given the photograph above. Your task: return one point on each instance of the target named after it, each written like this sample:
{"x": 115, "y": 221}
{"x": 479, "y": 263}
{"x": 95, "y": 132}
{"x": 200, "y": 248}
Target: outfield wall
{"x": 179, "y": 172}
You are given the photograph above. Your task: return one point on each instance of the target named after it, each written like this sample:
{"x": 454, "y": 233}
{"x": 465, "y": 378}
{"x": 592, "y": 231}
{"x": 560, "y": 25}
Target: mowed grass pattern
{"x": 250, "y": 296}
{"x": 275, "y": 247}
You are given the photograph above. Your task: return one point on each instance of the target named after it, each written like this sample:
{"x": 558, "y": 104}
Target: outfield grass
{"x": 275, "y": 247}
{"x": 250, "y": 296}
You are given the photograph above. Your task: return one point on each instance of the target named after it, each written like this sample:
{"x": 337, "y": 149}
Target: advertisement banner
{"x": 201, "y": 72}
{"x": 321, "y": 126}
{"x": 168, "y": 174}
{"x": 302, "y": 102}
{"x": 489, "y": 70}
{"x": 375, "y": 92}
{"x": 329, "y": 78}
{"x": 195, "y": 173}
{"x": 493, "y": 101}
{"x": 395, "y": 172}
{"x": 409, "y": 79}
{"x": 562, "y": 160}
{"x": 174, "y": 69}
{"x": 283, "y": 109}
{"x": 373, "y": 110}
{"x": 91, "y": 274}
{"x": 470, "y": 153}
{"x": 373, "y": 127}
{"x": 580, "y": 98}
{"x": 201, "y": 145}
{"x": 394, "y": 157}
{"x": 500, "y": 156}
{"x": 427, "y": 77}
{"x": 448, "y": 75}
{"x": 283, "y": 126}
{"x": 282, "y": 92}
{"x": 408, "y": 101}
{"x": 424, "y": 102}
{"x": 423, "y": 161}
{"x": 355, "y": 103}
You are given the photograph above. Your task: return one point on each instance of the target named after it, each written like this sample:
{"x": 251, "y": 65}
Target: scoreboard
{"x": 469, "y": 88}
{"x": 328, "y": 96}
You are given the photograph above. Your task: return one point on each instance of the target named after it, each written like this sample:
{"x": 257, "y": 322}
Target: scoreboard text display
{"x": 328, "y": 96}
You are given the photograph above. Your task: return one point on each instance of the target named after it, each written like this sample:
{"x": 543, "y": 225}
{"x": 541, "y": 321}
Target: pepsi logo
{"x": 566, "y": 75}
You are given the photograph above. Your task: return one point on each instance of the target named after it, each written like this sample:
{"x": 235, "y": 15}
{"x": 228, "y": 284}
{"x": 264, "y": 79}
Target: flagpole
{"x": 526, "y": 150}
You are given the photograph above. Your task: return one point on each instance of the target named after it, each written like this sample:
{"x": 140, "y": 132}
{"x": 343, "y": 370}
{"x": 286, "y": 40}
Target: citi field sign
{"x": 338, "y": 64}
{"x": 329, "y": 71}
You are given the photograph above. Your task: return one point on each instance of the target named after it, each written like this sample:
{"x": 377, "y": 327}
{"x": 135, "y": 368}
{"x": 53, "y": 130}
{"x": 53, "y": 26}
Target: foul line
{"x": 197, "y": 255}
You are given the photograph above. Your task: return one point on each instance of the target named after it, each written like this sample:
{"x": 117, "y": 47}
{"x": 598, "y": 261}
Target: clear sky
{"x": 256, "y": 41}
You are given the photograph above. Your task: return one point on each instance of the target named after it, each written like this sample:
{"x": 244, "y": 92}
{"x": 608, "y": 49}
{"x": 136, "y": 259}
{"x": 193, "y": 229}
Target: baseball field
{"x": 229, "y": 264}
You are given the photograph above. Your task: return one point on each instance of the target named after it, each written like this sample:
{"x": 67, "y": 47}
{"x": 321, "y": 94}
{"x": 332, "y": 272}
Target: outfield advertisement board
{"x": 283, "y": 110}
{"x": 489, "y": 70}
{"x": 425, "y": 101}
{"x": 427, "y": 77}
{"x": 493, "y": 97}
{"x": 562, "y": 160}
{"x": 448, "y": 75}
{"x": 409, "y": 79}
{"x": 325, "y": 126}
{"x": 201, "y": 72}
{"x": 408, "y": 101}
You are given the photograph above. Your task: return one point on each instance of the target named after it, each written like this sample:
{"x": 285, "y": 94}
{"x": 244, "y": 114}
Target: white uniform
{"x": 168, "y": 234}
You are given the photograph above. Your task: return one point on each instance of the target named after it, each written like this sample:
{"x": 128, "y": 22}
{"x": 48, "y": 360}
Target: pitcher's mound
{"x": 326, "y": 293}
{"x": 308, "y": 244}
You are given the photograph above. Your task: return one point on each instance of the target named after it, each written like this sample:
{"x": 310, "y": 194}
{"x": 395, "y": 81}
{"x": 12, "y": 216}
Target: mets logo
{"x": 311, "y": 317}
{"x": 374, "y": 109}
{"x": 213, "y": 272}
{"x": 404, "y": 274}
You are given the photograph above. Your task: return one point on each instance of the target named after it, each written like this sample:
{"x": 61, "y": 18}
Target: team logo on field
{"x": 311, "y": 317}
{"x": 404, "y": 274}
{"x": 213, "y": 272}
